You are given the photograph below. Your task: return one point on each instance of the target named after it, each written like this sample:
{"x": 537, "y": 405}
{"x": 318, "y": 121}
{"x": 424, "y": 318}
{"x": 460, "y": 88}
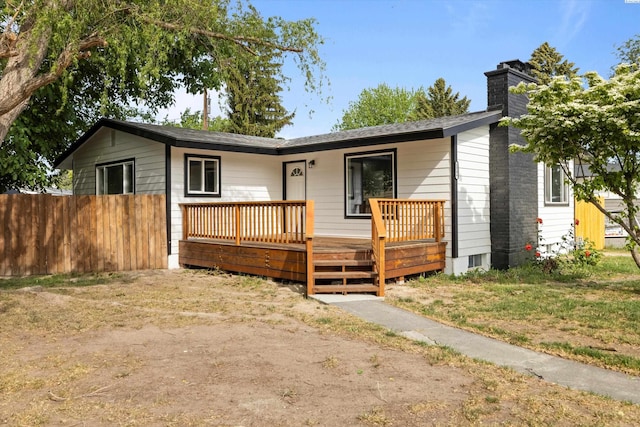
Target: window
{"x": 555, "y": 188}
{"x": 202, "y": 176}
{"x": 475, "y": 261}
{"x": 115, "y": 178}
{"x": 368, "y": 175}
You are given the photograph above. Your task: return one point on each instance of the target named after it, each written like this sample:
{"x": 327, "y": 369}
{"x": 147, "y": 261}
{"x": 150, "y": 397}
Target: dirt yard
{"x": 192, "y": 348}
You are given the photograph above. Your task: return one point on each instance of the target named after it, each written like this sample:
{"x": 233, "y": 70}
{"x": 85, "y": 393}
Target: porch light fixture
{"x": 312, "y": 163}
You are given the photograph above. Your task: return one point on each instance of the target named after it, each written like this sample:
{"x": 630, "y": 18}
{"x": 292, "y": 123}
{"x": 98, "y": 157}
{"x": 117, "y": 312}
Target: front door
{"x": 295, "y": 181}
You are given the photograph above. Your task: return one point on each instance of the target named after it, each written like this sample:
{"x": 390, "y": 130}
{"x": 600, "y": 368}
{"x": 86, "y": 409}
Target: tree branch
{"x": 241, "y": 41}
{"x": 65, "y": 59}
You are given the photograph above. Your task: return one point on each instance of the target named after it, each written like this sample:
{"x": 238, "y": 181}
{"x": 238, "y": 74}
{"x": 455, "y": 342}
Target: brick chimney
{"x": 513, "y": 180}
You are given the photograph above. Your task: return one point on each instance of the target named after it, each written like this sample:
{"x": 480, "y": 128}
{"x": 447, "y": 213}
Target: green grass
{"x": 581, "y": 309}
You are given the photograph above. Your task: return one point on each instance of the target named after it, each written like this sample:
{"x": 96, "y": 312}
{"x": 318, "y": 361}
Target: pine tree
{"x": 440, "y": 101}
{"x": 253, "y": 100}
{"x": 547, "y": 63}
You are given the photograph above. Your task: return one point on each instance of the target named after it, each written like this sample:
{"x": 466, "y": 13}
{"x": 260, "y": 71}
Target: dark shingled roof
{"x": 179, "y": 137}
{"x": 441, "y": 127}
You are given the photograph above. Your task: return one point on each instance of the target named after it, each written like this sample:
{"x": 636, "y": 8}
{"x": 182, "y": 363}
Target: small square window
{"x": 115, "y": 178}
{"x": 202, "y": 176}
{"x": 475, "y": 261}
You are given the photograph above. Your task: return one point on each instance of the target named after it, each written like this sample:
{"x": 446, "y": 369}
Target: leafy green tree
{"x": 58, "y": 113}
{"x": 63, "y": 63}
{"x": 439, "y": 101}
{"x": 381, "y": 105}
{"x": 547, "y": 63}
{"x": 598, "y": 127}
{"x": 629, "y": 52}
{"x": 252, "y": 93}
{"x": 195, "y": 120}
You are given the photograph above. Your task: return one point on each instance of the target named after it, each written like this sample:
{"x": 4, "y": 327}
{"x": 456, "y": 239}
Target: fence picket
{"x": 45, "y": 234}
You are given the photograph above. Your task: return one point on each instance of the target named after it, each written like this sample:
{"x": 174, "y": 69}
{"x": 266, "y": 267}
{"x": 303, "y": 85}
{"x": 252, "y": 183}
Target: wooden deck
{"x": 341, "y": 265}
{"x": 276, "y": 239}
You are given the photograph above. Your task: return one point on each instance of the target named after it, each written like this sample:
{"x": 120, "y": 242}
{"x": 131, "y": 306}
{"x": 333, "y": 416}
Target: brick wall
{"x": 513, "y": 176}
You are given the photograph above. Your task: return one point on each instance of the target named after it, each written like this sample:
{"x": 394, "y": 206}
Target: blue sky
{"x": 411, "y": 43}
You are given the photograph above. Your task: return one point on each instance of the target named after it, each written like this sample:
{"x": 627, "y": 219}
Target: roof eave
{"x": 362, "y": 142}
{"x": 483, "y": 121}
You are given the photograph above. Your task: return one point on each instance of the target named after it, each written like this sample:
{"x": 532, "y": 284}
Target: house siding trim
{"x": 454, "y": 196}
{"x": 167, "y": 189}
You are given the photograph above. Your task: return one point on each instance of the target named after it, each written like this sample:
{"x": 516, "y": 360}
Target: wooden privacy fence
{"x": 45, "y": 234}
{"x": 590, "y": 223}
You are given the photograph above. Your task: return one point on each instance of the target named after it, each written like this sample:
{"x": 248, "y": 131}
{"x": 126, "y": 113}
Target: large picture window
{"x": 368, "y": 175}
{"x": 556, "y": 190}
{"x": 115, "y": 178}
{"x": 202, "y": 176}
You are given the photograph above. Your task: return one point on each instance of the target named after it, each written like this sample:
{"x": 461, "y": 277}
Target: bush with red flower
{"x": 568, "y": 252}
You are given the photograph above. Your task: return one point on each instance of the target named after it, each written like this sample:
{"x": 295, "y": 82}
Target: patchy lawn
{"x": 591, "y": 315}
{"x": 191, "y": 348}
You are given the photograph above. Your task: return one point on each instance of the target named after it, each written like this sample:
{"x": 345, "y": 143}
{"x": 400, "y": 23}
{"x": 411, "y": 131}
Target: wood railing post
{"x": 237, "y": 220}
{"x": 378, "y": 237}
{"x": 185, "y": 222}
{"x": 437, "y": 221}
{"x": 309, "y": 230}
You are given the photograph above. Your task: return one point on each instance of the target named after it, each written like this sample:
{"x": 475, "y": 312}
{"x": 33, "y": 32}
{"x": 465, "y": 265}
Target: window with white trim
{"x": 368, "y": 176}
{"x": 202, "y": 176}
{"x": 556, "y": 189}
{"x": 115, "y": 178}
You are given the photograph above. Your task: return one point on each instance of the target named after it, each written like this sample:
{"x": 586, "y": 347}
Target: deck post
{"x": 237, "y": 214}
{"x": 309, "y": 224}
{"x": 381, "y": 266}
{"x": 437, "y": 214}
{"x": 185, "y": 222}
{"x": 378, "y": 237}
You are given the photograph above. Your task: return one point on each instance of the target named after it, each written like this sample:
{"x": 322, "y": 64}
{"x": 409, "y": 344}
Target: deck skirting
{"x": 289, "y": 262}
{"x": 269, "y": 261}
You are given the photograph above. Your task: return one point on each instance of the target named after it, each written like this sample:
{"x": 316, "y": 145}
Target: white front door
{"x": 295, "y": 180}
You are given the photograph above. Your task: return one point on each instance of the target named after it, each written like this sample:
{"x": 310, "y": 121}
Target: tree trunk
{"x": 635, "y": 256}
{"x": 7, "y": 119}
{"x": 19, "y": 77}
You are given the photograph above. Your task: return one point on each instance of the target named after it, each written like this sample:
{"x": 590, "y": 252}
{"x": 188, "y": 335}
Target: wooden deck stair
{"x": 344, "y": 272}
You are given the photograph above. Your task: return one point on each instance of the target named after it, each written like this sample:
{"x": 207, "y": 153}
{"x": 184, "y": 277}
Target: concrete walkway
{"x": 550, "y": 368}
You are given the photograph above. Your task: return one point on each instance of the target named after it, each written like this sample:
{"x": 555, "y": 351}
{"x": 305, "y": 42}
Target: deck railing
{"x": 267, "y": 222}
{"x": 401, "y": 220}
{"x": 407, "y": 219}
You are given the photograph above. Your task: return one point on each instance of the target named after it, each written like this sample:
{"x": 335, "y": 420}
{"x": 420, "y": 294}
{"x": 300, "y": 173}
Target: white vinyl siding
{"x": 243, "y": 177}
{"x": 474, "y": 222}
{"x": 423, "y": 172}
{"x": 107, "y": 146}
